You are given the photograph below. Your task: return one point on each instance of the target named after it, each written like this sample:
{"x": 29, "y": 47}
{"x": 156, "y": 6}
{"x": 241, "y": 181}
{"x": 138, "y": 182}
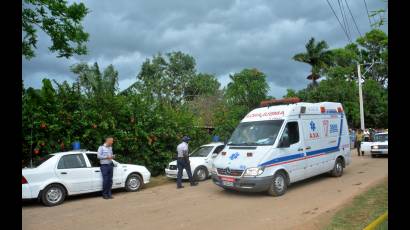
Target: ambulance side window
{"x": 291, "y": 132}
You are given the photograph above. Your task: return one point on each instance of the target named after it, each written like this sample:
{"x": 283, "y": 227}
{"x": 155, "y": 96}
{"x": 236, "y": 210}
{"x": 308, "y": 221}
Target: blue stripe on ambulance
{"x": 301, "y": 156}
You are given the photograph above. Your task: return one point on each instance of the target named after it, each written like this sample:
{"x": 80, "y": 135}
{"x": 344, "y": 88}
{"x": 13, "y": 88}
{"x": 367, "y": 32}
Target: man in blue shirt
{"x": 105, "y": 155}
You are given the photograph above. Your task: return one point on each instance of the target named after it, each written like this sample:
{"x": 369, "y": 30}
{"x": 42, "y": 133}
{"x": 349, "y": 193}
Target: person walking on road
{"x": 359, "y": 139}
{"x": 183, "y": 162}
{"x": 106, "y": 155}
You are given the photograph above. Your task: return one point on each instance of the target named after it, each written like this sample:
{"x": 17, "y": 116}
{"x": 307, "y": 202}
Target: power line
{"x": 368, "y": 15}
{"x": 354, "y": 20}
{"x": 344, "y": 21}
{"x": 337, "y": 19}
{"x": 347, "y": 21}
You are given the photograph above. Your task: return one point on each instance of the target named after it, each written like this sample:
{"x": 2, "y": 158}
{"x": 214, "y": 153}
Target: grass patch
{"x": 364, "y": 209}
{"x": 158, "y": 181}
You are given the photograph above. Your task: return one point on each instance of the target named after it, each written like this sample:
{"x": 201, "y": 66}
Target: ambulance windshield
{"x": 256, "y": 133}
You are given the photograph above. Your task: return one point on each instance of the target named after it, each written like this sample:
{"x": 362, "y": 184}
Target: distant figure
{"x": 359, "y": 139}
{"x": 105, "y": 155}
{"x": 183, "y": 162}
{"x": 366, "y": 135}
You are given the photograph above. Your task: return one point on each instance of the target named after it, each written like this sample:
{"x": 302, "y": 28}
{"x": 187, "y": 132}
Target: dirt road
{"x": 208, "y": 206}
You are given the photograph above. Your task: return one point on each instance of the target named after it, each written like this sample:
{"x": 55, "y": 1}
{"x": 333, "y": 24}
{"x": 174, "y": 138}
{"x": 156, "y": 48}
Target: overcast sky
{"x": 223, "y": 37}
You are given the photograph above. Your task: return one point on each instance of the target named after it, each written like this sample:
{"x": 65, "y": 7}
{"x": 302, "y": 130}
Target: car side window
{"x": 95, "y": 162}
{"x": 219, "y": 149}
{"x": 72, "y": 161}
{"x": 291, "y": 132}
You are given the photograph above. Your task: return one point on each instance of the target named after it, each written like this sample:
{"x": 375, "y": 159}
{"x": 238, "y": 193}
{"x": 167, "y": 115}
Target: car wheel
{"x": 338, "y": 168}
{"x": 373, "y": 155}
{"x": 53, "y": 195}
{"x": 201, "y": 174}
{"x": 279, "y": 184}
{"x": 133, "y": 183}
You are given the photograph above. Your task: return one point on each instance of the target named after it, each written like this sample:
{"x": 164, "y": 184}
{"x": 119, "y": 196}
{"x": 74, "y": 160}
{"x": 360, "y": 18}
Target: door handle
{"x": 63, "y": 172}
{"x": 97, "y": 171}
{"x": 308, "y": 147}
{"x": 300, "y": 149}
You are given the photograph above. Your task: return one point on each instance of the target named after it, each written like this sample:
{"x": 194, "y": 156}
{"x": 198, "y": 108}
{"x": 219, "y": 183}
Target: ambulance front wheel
{"x": 279, "y": 184}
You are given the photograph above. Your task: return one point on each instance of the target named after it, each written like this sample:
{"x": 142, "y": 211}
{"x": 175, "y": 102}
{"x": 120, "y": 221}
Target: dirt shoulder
{"x": 208, "y": 206}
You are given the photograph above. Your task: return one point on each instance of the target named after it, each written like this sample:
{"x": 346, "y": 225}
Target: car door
{"x": 117, "y": 177}
{"x": 290, "y": 148}
{"x": 95, "y": 166}
{"x": 73, "y": 171}
{"x": 98, "y": 180}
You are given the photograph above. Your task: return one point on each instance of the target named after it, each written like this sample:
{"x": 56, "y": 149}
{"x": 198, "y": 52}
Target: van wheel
{"x": 53, "y": 195}
{"x": 201, "y": 174}
{"x": 279, "y": 184}
{"x": 338, "y": 168}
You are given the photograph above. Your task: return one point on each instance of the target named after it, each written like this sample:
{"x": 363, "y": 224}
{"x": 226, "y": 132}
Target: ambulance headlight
{"x": 256, "y": 171}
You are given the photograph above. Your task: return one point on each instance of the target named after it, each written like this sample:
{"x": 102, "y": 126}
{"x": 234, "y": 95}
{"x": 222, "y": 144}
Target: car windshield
{"x": 381, "y": 137}
{"x": 256, "y": 133}
{"x": 202, "y": 151}
{"x": 37, "y": 161}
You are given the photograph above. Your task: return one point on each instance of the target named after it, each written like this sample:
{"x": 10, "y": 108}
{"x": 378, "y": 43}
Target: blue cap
{"x": 186, "y": 139}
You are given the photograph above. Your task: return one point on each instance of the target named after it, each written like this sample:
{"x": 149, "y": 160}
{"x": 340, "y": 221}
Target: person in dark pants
{"x": 183, "y": 162}
{"x": 359, "y": 139}
{"x": 107, "y": 167}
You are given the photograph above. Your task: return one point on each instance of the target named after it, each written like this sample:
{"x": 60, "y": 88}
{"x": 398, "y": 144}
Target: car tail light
{"x": 23, "y": 180}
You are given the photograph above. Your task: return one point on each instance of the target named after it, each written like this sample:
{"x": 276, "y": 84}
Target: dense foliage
{"x": 341, "y": 83}
{"x": 170, "y": 99}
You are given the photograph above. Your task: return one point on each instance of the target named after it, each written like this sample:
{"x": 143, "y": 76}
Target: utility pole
{"x": 359, "y": 74}
{"x": 360, "y": 97}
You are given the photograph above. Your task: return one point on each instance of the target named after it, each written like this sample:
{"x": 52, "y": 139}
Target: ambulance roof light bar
{"x": 282, "y": 101}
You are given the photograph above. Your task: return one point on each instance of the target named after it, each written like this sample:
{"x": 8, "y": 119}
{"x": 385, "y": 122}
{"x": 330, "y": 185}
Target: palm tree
{"x": 316, "y": 56}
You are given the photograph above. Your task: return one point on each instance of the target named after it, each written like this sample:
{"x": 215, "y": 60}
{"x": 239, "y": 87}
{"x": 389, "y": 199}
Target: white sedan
{"x": 75, "y": 172}
{"x": 200, "y": 161}
{"x": 380, "y": 146}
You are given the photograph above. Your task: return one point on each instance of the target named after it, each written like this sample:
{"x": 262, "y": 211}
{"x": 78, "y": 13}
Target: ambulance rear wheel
{"x": 279, "y": 185}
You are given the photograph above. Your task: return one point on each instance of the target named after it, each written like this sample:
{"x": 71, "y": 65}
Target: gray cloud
{"x": 223, "y": 36}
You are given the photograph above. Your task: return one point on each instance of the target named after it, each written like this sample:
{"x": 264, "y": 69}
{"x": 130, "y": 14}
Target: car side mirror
{"x": 214, "y": 155}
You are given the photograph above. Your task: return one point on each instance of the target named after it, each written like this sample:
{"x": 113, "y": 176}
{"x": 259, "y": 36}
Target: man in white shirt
{"x": 183, "y": 162}
{"x": 106, "y": 165}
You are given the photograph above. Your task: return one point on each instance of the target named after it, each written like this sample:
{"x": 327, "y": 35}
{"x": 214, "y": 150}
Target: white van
{"x": 274, "y": 146}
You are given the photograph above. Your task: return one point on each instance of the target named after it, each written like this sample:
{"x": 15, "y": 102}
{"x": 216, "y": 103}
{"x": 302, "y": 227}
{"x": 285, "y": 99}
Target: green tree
{"x": 317, "y": 56}
{"x": 247, "y": 88}
{"x": 167, "y": 78}
{"x": 202, "y": 85}
{"x": 60, "y": 21}
{"x": 373, "y": 47}
{"x": 343, "y": 63}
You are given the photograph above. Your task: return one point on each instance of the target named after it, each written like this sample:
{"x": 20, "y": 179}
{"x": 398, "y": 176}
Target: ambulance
{"x": 282, "y": 142}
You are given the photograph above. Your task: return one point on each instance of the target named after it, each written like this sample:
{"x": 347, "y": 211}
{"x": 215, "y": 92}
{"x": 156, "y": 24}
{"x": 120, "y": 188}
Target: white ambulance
{"x": 274, "y": 146}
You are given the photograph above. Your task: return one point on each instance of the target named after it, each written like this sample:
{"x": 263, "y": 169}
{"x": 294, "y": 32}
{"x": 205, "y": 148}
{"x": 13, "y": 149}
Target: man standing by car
{"x": 105, "y": 155}
{"x": 183, "y": 162}
{"x": 359, "y": 139}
